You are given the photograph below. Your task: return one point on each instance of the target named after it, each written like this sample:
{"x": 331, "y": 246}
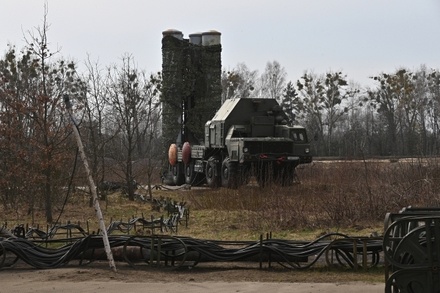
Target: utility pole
{"x": 92, "y": 186}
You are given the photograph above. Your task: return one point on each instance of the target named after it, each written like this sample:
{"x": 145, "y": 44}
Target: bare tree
{"x": 239, "y": 82}
{"x": 433, "y": 82}
{"x": 135, "y": 103}
{"x": 390, "y": 100}
{"x": 150, "y": 131}
{"x": 94, "y": 107}
{"x": 323, "y": 103}
{"x": 33, "y": 88}
{"x": 273, "y": 81}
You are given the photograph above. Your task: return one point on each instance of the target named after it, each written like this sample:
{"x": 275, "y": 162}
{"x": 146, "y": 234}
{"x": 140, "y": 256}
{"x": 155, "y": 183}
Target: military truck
{"x": 246, "y": 137}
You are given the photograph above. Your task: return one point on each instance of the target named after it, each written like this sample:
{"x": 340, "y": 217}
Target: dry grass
{"x": 351, "y": 197}
{"x": 348, "y": 196}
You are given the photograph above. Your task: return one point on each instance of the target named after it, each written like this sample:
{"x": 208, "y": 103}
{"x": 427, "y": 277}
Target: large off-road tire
{"x": 260, "y": 176}
{"x": 189, "y": 173}
{"x": 264, "y": 174}
{"x": 229, "y": 174}
{"x": 212, "y": 173}
{"x": 284, "y": 175}
{"x": 177, "y": 173}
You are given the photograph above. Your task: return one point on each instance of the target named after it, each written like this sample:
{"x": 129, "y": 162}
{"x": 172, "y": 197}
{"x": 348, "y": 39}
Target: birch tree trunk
{"x": 92, "y": 187}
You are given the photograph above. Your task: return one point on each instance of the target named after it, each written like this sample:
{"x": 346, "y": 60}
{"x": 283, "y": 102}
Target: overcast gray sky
{"x": 360, "y": 37}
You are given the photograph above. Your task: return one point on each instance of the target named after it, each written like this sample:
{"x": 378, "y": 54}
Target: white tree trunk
{"x": 92, "y": 186}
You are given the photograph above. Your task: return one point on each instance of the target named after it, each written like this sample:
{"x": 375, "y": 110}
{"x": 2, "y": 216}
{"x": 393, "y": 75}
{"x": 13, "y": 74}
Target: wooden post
{"x": 92, "y": 186}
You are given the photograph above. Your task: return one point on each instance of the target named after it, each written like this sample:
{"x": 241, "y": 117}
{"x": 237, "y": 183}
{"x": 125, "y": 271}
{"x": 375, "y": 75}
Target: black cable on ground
{"x": 187, "y": 251}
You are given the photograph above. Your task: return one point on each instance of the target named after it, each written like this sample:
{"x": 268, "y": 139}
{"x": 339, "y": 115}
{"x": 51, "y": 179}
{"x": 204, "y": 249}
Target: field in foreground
{"x": 347, "y": 197}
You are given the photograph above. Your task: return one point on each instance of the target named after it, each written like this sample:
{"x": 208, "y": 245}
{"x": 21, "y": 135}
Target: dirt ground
{"x": 97, "y": 277}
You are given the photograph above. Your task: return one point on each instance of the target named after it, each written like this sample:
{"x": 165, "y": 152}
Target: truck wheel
{"x": 211, "y": 173}
{"x": 261, "y": 176}
{"x": 192, "y": 177}
{"x": 177, "y": 174}
{"x": 189, "y": 173}
{"x": 285, "y": 175}
{"x": 264, "y": 174}
{"x": 229, "y": 174}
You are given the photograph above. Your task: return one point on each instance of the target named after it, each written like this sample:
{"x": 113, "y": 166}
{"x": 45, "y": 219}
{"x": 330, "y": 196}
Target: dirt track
{"x": 194, "y": 287}
{"x": 100, "y": 279}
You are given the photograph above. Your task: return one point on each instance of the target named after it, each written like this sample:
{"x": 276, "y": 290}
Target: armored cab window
{"x": 239, "y": 133}
{"x": 294, "y": 136}
{"x": 299, "y": 136}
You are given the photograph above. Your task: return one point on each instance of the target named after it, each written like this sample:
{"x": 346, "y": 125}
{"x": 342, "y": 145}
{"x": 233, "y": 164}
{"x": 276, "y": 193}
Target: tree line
{"x": 117, "y": 109}
{"x": 398, "y": 116}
